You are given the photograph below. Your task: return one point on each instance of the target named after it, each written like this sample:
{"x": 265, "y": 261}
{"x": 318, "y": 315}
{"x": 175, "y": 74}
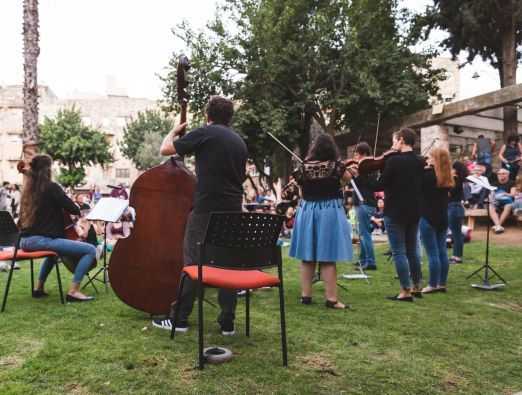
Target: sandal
{"x": 306, "y": 300}
{"x": 430, "y": 290}
{"x": 335, "y": 304}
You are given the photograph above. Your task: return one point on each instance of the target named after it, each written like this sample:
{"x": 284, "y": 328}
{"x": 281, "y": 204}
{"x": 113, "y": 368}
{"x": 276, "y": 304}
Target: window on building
{"x": 122, "y": 173}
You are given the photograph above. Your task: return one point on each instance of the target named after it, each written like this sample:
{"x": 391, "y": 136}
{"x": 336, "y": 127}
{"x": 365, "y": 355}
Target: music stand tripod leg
{"x": 105, "y": 279}
{"x": 487, "y": 267}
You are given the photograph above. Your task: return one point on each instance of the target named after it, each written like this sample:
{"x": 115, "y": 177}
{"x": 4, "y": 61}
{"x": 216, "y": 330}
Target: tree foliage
{"x": 491, "y": 29}
{"x": 148, "y": 154}
{"x": 148, "y": 127}
{"x": 74, "y": 145}
{"x": 475, "y": 26}
{"x": 294, "y": 62}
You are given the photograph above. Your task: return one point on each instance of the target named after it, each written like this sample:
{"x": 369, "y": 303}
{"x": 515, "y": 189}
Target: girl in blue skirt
{"x": 321, "y": 233}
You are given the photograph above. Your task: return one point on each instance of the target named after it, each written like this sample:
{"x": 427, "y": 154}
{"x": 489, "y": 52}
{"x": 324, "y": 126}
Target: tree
{"x": 491, "y": 29}
{"x": 148, "y": 154}
{"x": 30, "y": 91}
{"x": 74, "y": 145}
{"x": 149, "y": 127}
{"x": 291, "y": 63}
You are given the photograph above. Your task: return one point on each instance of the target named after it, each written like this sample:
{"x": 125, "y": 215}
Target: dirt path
{"x": 512, "y": 236}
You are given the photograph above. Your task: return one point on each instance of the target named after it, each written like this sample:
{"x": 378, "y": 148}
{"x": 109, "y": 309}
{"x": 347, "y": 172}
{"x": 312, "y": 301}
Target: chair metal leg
{"x": 6, "y": 292}
{"x": 247, "y": 313}
{"x": 200, "y": 323}
{"x": 32, "y": 276}
{"x": 283, "y": 325}
{"x": 57, "y": 266}
{"x": 176, "y": 307}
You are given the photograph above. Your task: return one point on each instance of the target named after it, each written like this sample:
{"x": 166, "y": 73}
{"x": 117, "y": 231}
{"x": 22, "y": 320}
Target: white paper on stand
{"x": 483, "y": 183}
{"x": 108, "y": 209}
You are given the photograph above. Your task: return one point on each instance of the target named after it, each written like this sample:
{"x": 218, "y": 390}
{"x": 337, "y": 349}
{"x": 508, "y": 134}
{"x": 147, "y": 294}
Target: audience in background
{"x": 482, "y": 152}
{"x": 517, "y": 195}
{"x": 510, "y": 155}
{"x": 501, "y": 200}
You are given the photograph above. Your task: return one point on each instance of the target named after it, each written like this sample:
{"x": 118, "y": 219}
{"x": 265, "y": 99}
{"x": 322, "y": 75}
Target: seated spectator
{"x": 119, "y": 192}
{"x": 478, "y": 194}
{"x": 377, "y": 219}
{"x": 81, "y": 201}
{"x": 501, "y": 200}
{"x": 517, "y": 195}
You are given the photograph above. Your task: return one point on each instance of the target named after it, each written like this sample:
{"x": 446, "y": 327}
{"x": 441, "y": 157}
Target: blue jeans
{"x": 485, "y": 158}
{"x": 404, "y": 246}
{"x": 64, "y": 247}
{"x": 434, "y": 242}
{"x": 364, "y": 214}
{"x": 455, "y": 218}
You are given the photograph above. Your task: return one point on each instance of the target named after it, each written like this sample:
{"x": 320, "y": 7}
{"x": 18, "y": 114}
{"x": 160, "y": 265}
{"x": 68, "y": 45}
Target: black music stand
{"x": 486, "y": 285}
{"x": 108, "y": 210}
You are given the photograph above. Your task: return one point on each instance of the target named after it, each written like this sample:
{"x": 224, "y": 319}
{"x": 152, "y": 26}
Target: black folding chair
{"x": 235, "y": 249}
{"x": 10, "y": 238}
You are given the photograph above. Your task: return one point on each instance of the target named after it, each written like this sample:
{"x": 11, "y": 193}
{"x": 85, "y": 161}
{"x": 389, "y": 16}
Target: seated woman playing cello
{"x": 42, "y": 223}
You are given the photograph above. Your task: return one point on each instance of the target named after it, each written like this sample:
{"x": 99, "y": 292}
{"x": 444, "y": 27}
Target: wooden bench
{"x": 472, "y": 213}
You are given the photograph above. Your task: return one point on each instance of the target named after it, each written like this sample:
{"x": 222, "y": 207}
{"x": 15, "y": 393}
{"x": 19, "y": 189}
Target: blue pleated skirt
{"x": 321, "y": 232}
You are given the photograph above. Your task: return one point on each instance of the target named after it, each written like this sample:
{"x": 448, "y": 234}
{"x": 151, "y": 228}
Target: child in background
{"x": 378, "y": 218}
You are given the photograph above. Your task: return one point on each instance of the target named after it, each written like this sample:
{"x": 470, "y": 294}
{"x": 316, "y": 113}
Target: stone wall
{"x": 106, "y": 113}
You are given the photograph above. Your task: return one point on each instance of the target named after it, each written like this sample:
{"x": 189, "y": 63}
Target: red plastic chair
{"x": 235, "y": 249}
{"x": 10, "y": 237}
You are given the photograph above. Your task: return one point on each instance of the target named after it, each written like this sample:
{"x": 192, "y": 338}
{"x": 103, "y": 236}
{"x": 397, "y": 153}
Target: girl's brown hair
{"x": 38, "y": 179}
{"x": 442, "y": 166}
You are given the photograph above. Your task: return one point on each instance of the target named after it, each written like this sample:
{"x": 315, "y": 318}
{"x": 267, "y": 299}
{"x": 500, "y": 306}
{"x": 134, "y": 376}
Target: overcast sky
{"x": 85, "y": 43}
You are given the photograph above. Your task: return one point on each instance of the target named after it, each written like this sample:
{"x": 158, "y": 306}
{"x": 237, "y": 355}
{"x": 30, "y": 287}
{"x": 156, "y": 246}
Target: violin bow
{"x": 352, "y": 182}
{"x": 285, "y": 147}
{"x": 377, "y": 133}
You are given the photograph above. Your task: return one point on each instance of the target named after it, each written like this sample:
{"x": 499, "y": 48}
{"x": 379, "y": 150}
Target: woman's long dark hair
{"x": 38, "y": 179}
{"x": 323, "y": 148}
{"x": 461, "y": 170}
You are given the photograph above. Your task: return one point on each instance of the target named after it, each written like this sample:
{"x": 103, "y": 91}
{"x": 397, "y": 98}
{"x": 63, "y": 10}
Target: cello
{"x": 145, "y": 268}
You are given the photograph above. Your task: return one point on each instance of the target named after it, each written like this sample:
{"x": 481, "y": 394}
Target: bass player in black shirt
{"x": 221, "y": 156}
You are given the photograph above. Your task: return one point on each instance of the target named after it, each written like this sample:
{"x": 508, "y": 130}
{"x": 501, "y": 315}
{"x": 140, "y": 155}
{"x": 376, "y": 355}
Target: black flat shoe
{"x": 332, "y": 304}
{"x": 306, "y": 300}
{"x": 74, "y": 299}
{"x": 38, "y": 293}
{"x": 397, "y": 299}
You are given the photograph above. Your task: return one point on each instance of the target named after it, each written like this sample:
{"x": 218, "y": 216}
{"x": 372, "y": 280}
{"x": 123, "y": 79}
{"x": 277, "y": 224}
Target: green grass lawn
{"x": 465, "y": 341}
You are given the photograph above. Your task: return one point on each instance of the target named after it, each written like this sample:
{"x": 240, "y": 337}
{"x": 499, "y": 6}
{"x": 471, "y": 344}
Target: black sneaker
{"x": 38, "y": 293}
{"x": 227, "y": 328}
{"x": 166, "y": 323}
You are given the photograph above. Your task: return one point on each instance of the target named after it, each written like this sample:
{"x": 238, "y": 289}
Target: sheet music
{"x": 108, "y": 209}
{"x": 483, "y": 183}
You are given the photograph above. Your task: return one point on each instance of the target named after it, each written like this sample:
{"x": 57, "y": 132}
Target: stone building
{"x": 107, "y": 113}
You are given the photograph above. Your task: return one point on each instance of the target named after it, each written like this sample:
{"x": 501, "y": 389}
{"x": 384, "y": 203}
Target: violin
{"x": 375, "y": 163}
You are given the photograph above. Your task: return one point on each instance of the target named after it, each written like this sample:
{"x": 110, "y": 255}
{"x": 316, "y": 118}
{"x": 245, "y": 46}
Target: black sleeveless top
{"x": 321, "y": 180}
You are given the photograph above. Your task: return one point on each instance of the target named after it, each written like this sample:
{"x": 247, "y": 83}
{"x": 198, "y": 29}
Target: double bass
{"x": 145, "y": 268}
